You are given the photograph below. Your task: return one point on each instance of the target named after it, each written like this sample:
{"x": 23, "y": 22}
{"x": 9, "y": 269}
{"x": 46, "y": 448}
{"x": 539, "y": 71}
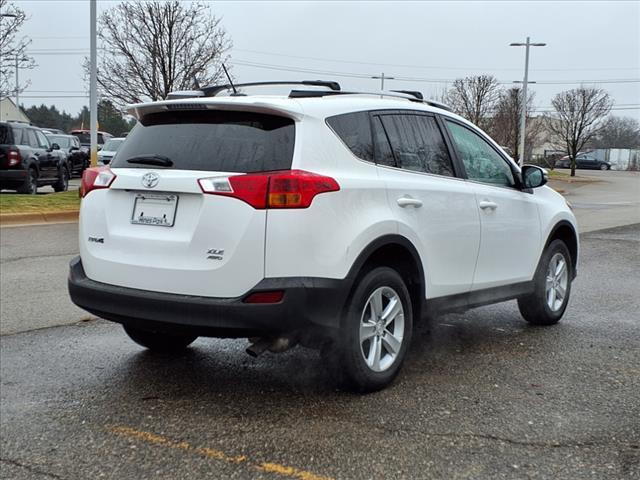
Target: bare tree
{"x": 474, "y": 98}
{"x": 152, "y": 48}
{"x": 505, "y": 123}
{"x": 618, "y": 132}
{"x": 579, "y": 115}
{"x": 12, "y": 47}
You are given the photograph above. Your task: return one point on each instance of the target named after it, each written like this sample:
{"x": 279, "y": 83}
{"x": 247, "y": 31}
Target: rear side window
{"x": 31, "y": 136}
{"x": 354, "y": 129}
{"x": 417, "y": 144}
{"x": 384, "y": 155}
{"x": 212, "y": 141}
{"x": 5, "y": 135}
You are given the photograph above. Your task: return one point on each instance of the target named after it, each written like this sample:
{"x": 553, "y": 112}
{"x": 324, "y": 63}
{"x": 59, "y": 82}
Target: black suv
{"x": 28, "y": 160}
{"x": 77, "y": 158}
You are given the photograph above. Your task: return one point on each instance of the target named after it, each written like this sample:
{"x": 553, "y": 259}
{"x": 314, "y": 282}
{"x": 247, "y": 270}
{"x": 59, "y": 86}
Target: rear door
{"x": 435, "y": 209}
{"x": 154, "y": 228}
{"x": 510, "y": 238}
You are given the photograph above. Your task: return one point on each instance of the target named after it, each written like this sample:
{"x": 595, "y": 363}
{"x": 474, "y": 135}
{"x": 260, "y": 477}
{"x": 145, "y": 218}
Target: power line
{"x": 288, "y": 68}
{"x": 259, "y": 52}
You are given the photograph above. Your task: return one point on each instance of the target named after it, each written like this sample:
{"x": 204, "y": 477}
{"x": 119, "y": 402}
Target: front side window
{"x": 481, "y": 161}
{"x": 354, "y": 129}
{"x": 42, "y": 140}
{"x": 417, "y": 144}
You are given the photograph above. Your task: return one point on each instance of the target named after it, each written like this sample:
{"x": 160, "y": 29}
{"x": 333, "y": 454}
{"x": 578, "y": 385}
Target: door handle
{"x": 409, "y": 202}
{"x": 486, "y": 204}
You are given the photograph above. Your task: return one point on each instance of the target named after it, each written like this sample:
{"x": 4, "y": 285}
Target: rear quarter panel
{"x": 325, "y": 239}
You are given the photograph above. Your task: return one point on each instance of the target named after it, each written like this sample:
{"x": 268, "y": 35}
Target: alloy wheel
{"x": 382, "y": 329}
{"x": 557, "y": 282}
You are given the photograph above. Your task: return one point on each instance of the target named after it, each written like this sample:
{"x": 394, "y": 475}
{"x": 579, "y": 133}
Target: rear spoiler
{"x": 222, "y": 103}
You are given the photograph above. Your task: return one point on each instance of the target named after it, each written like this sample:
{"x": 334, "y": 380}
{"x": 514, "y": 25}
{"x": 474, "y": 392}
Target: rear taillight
{"x": 282, "y": 189}
{"x": 274, "y": 296}
{"x": 96, "y": 178}
{"x": 14, "y": 158}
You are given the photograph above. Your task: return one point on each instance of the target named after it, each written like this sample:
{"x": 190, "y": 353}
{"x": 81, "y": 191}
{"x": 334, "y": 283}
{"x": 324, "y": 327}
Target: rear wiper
{"x": 159, "y": 160}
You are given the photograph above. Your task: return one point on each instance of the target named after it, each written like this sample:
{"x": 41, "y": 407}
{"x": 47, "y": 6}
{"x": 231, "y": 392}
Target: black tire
{"x": 62, "y": 184}
{"x": 30, "y": 185}
{"x": 604, "y": 166}
{"x": 160, "y": 342}
{"x": 535, "y": 307}
{"x": 346, "y": 355}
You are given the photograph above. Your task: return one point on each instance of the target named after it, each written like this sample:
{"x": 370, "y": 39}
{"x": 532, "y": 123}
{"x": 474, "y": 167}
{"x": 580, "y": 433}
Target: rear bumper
{"x": 14, "y": 176}
{"x": 307, "y": 303}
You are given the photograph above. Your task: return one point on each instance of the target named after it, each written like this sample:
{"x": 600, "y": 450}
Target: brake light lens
{"x": 14, "y": 158}
{"x": 281, "y": 189}
{"x": 96, "y": 178}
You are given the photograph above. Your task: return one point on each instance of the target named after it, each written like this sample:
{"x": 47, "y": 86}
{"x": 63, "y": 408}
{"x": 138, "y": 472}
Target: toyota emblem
{"x": 150, "y": 180}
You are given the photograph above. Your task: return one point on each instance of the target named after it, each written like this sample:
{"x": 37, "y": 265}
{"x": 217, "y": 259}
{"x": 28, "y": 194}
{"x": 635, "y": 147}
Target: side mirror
{"x": 99, "y": 147}
{"x": 55, "y": 146}
{"x": 533, "y": 176}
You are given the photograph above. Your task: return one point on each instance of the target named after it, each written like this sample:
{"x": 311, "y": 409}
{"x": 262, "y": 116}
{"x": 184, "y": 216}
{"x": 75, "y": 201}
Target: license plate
{"x": 154, "y": 209}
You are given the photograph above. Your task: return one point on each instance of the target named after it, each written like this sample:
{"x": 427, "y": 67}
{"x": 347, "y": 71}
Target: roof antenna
{"x": 196, "y": 83}
{"x": 235, "y": 92}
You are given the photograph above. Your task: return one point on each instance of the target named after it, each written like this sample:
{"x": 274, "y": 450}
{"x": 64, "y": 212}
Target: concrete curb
{"x": 11, "y": 219}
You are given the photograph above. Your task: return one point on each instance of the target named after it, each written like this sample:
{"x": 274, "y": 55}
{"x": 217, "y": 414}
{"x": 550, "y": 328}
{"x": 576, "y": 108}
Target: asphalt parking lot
{"x": 483, "y": 395}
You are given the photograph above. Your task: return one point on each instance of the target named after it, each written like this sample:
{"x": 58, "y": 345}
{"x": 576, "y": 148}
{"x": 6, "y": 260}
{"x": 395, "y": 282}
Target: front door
{"x": 510, "y": 236}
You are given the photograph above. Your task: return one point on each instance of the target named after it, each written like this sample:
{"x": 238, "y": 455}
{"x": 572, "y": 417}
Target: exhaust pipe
{"x": 274, "y": 345}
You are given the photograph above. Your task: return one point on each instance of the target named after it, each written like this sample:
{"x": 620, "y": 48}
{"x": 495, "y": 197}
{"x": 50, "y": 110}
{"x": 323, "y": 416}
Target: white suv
{"x": 327, "y": 218}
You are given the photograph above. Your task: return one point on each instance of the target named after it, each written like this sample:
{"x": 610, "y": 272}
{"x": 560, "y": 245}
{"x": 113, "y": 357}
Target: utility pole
{"x": 93, "y": 87}
{"x": 523, "y": 113}
{"x": 382, "y": 78}
{"x": 17, "y": 86}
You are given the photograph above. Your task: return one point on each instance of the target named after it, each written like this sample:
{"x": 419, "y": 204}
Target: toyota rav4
{"x": 323, "y": 217}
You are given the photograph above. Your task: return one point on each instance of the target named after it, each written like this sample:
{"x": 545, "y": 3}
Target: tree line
{"x": 109, "y": 118}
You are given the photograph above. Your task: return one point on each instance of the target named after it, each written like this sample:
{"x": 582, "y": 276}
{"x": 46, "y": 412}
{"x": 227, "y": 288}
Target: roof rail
{"x": 213, "y": 90}
{"x": 413, "y": 93}
{"x": 410, "y": 95}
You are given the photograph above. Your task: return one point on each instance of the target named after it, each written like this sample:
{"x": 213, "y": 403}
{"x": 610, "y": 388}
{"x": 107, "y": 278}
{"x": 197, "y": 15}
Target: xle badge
{"x": 214, "y": 254}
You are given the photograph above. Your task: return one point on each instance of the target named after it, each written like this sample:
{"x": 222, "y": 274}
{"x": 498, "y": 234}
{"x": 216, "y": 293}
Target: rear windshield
{"x": 212, "y": 141}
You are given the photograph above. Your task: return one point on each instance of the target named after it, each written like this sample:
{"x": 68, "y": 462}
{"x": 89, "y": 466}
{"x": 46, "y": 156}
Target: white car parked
{"x": 329, "y": 218}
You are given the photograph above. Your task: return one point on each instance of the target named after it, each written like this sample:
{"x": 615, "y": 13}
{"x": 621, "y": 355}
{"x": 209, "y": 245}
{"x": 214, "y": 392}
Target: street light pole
{"x": 93, "y": 83}
{"x": 523, "y": 113}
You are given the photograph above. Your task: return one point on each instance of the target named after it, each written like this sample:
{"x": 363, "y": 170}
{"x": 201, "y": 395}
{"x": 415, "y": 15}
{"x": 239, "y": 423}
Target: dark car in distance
{"x": 77, "y": 158}
{"x": 28, "y": 160}
{"x": 84, "y": 136}
{"x": 585, "y": 161}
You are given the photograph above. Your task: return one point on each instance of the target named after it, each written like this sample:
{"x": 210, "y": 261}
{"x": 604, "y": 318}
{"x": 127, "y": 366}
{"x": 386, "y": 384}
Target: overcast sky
{"x": 428, "y": 42}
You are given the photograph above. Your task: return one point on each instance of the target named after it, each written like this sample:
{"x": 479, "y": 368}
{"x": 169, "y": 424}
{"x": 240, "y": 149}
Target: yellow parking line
{"x": 267, "y": 467}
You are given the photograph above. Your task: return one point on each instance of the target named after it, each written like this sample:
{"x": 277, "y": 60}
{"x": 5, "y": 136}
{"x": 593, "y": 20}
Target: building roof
{"x": 10, "y": 113}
